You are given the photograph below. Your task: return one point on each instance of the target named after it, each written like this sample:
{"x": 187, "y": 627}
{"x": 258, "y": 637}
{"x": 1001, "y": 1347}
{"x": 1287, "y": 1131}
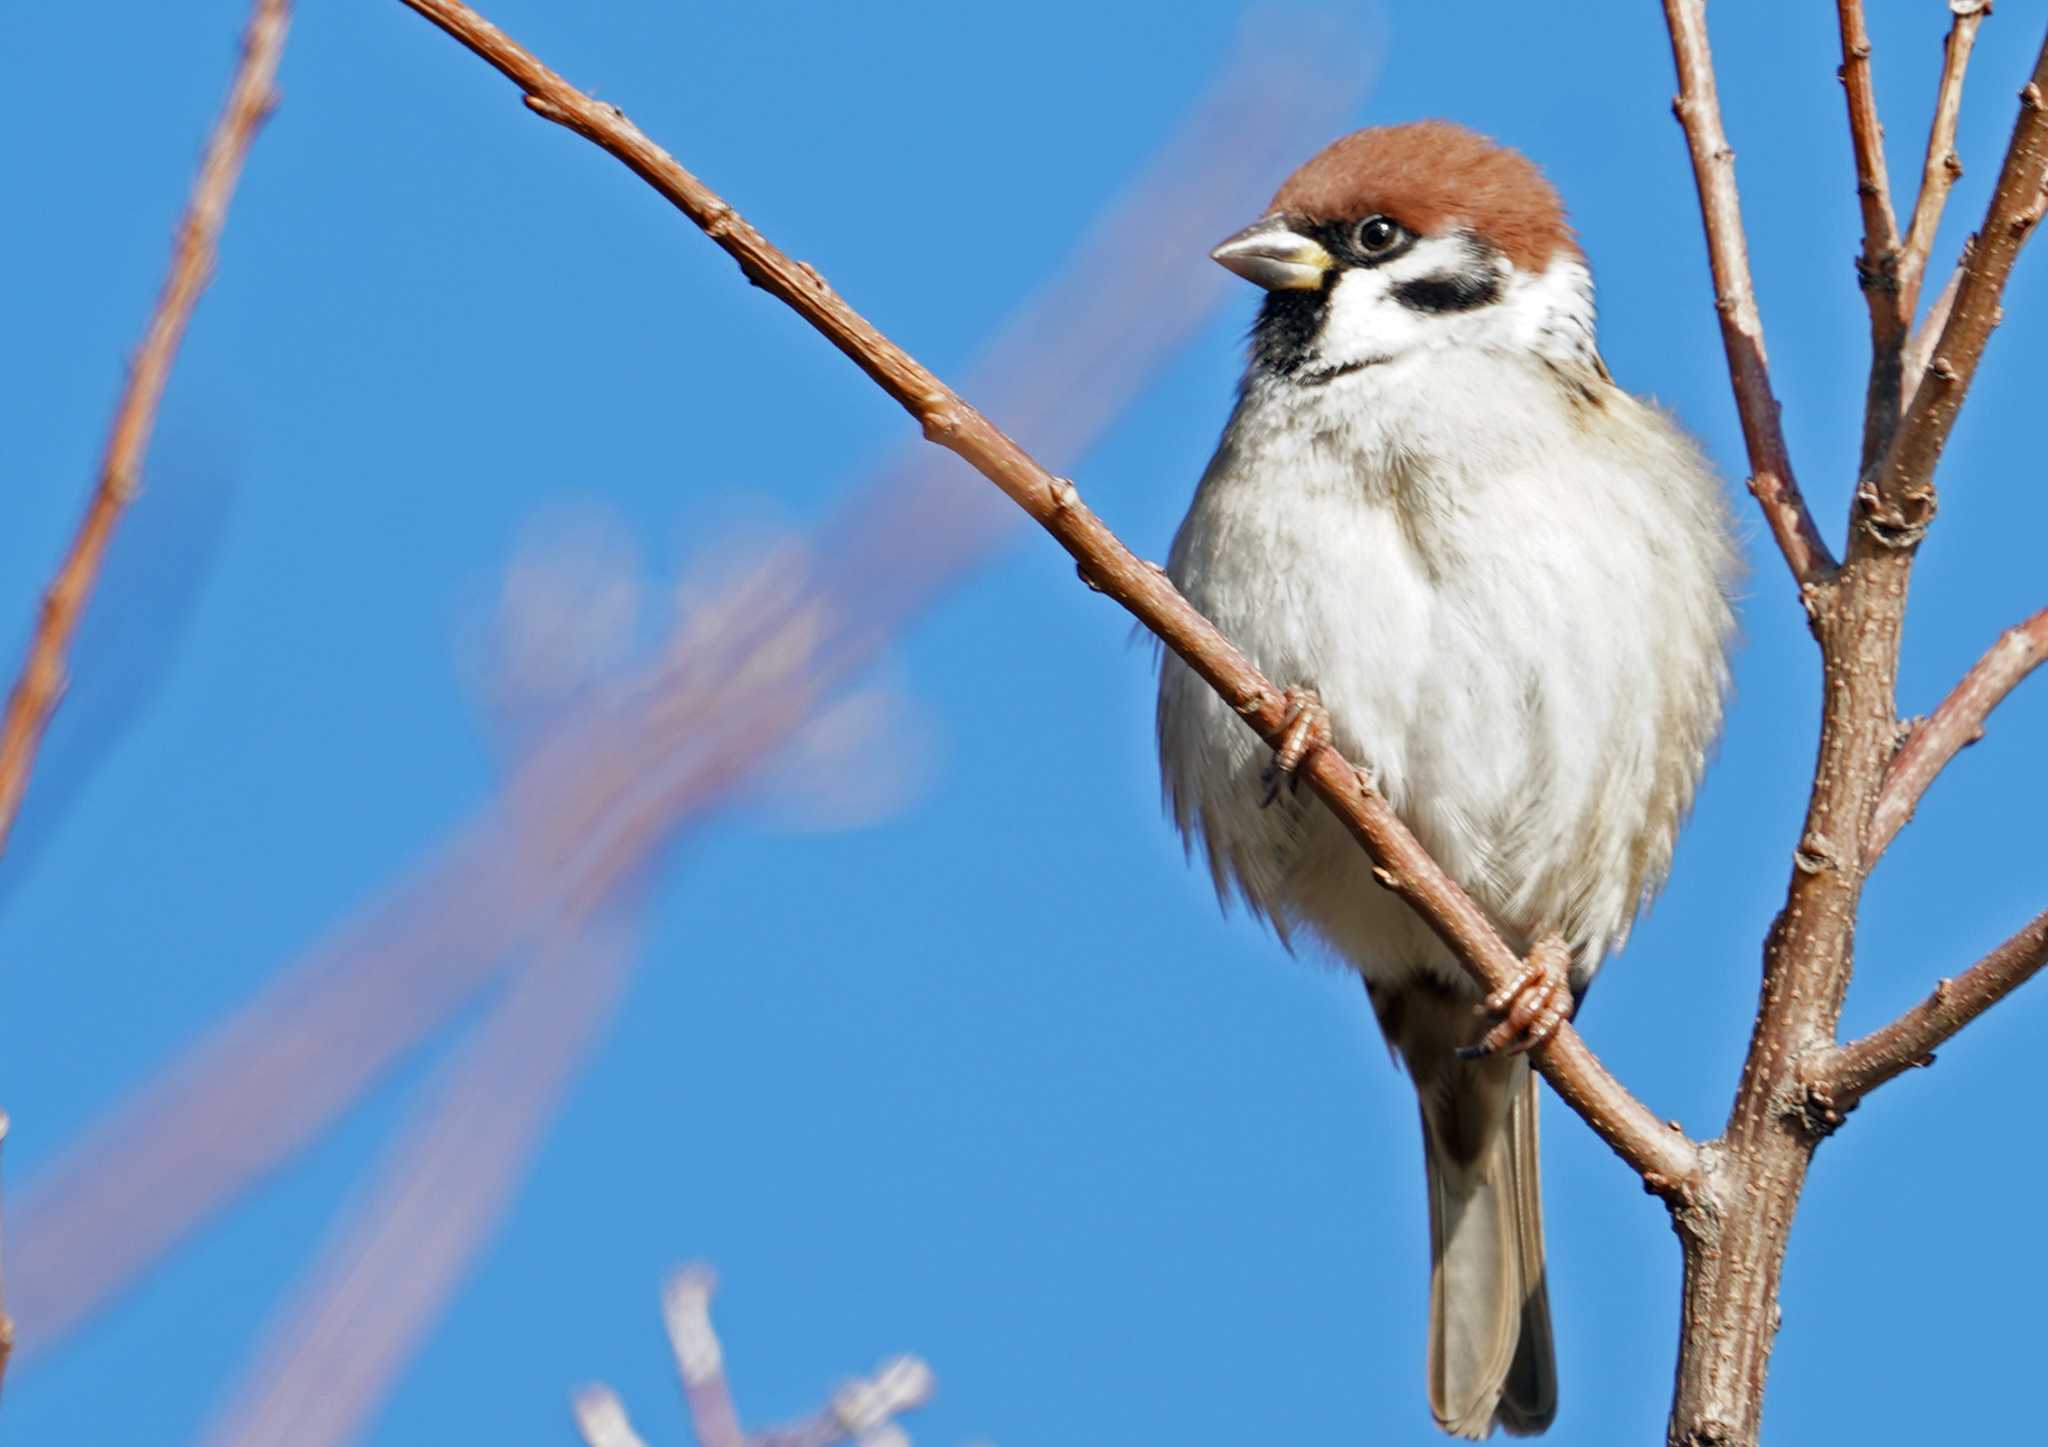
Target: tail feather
{"x": 1491, "y": 1360}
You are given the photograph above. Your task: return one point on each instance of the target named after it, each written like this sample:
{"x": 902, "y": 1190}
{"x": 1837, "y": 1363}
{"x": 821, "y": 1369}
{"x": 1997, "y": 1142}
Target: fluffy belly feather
{"x": 1534, "y": 698}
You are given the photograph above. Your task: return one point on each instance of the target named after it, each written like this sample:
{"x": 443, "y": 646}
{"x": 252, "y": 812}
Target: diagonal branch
{"x": 1957, "y": 723}
{"x": 1896, "y": 503}
{"x": 1837, "y": 1079}
{"x": 1942, "y": 166}
{"x": 41, "y": 683}
{"x": 1662, "y": 1155}
{"x": 1698, "y": 108}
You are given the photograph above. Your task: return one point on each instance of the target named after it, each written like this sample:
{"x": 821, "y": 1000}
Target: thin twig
{"x": 1897, "y": 502}
{"x": 1661, "y": 1154}
{"x": 6, "y": 1321}
{"x": 1840, "y": 1077}
{"x": 1698, "y": 108}
{"x": 700, "y": 1359}
{"x": 1877, "y": 268}
{"x": 1920, "y": 350}
{"x": 1943, "y": 166}
{"x": 41, "y": 683}
{"x": 601, "y": 1419}
{"x": 1956, "y": 723}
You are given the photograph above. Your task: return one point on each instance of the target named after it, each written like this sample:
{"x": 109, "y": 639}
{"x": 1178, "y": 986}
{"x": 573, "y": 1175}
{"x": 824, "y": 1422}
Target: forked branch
{"x": 1939, "y": 171}
{"x": 1661, "y": 1154}
{"x": 1896, "y": 503}
{"x": 1698, "y": 108}
{"x": 41, "y": 683}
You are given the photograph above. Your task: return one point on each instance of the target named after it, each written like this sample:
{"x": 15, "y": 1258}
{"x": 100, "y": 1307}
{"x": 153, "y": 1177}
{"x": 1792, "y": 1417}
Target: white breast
{"x": 1506, "y": 580}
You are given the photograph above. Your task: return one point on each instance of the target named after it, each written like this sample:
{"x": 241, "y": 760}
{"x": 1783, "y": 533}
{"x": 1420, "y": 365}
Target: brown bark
{"x": 1734, "y": 1236}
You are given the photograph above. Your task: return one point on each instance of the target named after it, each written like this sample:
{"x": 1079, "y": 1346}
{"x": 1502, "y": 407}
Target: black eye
{"x": 1376, "y": 234}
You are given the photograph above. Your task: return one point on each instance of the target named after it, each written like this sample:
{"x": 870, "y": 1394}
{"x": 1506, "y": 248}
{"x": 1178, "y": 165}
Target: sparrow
{"x": 1500, "y": 584}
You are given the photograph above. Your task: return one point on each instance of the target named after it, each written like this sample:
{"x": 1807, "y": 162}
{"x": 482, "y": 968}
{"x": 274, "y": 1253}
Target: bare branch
{"x": 1957, "y": 723}
{"x": 6, "y": 1322}
{"x": 41, "y": 684}
{"x": 700, "y": 1360}
{"x": 1896, "y": 504}
{"x": 1920, "y": 350}
{"x": 601, "y": 1418}
{"x": 1938, "y": 174}
{"x": 1837, "y": 1079}
{"x": 1661, "y": 1154}
{"x": 1698, "y": 108}
{"x": 1877, "y": 269}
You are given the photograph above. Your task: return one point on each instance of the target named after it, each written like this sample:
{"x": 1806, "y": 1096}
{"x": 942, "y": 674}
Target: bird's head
{"x": 1406, "y": 238}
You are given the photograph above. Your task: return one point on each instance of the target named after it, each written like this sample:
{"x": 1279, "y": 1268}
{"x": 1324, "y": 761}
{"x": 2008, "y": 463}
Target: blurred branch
{"x": 666, "y": 745}
{"x": 862, "y": 1411}
{"x": 250, "y": 98}
{"x": 1659, "y": 1153}
{"x": 700, "y": 1360}
{"x": 384, "y": 1275}
{"x": 1838, "y": 1078}
{"x": 1956, "y": 723}
{"x": 1698, "y": 108}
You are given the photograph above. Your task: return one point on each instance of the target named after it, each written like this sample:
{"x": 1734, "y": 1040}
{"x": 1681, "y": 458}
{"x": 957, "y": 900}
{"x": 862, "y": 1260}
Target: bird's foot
{"x": 1531, "y": 1006}
{"x": 1307, "y": 729}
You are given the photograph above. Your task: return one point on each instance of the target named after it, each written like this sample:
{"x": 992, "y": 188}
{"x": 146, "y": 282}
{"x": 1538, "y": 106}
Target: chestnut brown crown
{"x": 1431, "y": 176}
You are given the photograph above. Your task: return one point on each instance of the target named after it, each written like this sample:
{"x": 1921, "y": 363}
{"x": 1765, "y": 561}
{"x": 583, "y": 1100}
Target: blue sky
{"x": 990, "y": 1079}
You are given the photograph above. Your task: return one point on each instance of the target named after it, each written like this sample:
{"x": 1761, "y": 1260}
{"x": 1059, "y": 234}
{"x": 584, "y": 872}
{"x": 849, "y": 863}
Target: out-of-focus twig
{"x": 380, "y": 1282}
{"x": 41, "y": 683}
{"x": 700, "y": 1359}
{"x": 671, "y": 741}
{"x": 862, "y": 1411}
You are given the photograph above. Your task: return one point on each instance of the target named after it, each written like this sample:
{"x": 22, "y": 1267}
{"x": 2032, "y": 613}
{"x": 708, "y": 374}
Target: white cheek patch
{"x": 1367, "y": 322}
{"x": 1363, "y": 324}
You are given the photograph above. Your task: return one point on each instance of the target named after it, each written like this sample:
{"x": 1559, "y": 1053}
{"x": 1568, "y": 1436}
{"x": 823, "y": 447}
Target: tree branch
{"x": 1698, "y": 108}
{"x": 1877, "y": 269}
{"x": 1661, "y": 1154}
{"x": 1838, "y": 1078}
{"x": 41, "y": 683}
{"x": 1942, "y": 166}
{"x": 1957, "y": 723}
{"x": 1896, "y": 504}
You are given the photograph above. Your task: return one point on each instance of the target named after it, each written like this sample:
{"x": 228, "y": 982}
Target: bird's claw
{"x": 1307, "y": 729}
{"x": 1531, "y": 1007}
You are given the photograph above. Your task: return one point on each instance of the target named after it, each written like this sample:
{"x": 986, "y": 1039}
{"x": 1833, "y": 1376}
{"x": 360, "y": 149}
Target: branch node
{"x": 1816, "y": 853}
{"x": 1081, "y": 572}
{"x": 1063, "y": 494}
{"x": 1815, "y": 1114}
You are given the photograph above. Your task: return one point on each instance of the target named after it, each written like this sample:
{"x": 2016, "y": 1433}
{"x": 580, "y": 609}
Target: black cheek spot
{"x": 1458, "y": 291}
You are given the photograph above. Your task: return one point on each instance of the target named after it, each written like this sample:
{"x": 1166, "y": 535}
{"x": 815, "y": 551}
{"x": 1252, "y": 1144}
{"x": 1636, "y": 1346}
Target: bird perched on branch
{"x": 1499, "y": 583}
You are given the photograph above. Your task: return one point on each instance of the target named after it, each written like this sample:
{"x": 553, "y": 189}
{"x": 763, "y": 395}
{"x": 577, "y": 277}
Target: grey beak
{"x": 1275, "y": 257}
